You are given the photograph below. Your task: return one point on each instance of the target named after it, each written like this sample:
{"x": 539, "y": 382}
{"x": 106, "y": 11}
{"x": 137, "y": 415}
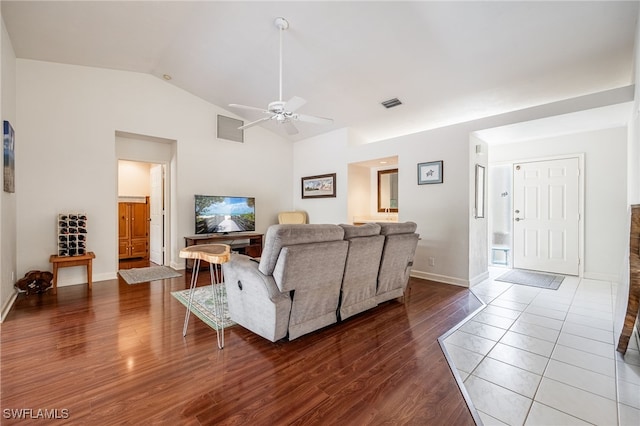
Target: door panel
{"x": 546, "y": 216}
{"x": 139, "y": 220}
{"x": 156, "y": 228}
{"x": 123, "y": 221}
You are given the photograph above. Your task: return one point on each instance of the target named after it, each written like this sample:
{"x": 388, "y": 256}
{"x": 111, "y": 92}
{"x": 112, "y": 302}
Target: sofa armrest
{"x": 242, "y": 271}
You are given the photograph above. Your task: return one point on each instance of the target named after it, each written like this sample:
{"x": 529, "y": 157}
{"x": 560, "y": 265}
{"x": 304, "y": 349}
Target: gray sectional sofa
{"x": 312, "y": 276}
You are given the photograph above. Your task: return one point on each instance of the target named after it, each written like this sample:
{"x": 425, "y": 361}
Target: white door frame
{"x": 160, "y": 244}
{"x": 581, "y": 191}
{"x": 143, "y": 149}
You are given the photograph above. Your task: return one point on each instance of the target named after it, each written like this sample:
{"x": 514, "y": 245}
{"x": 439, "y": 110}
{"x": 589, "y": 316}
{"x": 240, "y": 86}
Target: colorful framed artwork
{"x": 9, "y": 158}
{"x": 319, "y": 186}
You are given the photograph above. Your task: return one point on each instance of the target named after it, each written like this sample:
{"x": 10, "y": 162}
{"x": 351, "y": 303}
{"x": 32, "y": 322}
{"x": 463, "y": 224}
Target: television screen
{"x": 224, "y": 214}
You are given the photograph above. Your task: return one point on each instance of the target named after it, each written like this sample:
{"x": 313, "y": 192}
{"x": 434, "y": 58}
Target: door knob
{"x": 518, "y": 219}
{"x": 517, "y": 211}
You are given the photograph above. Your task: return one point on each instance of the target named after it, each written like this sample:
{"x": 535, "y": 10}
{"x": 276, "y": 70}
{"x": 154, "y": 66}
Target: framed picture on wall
{"x": 319, "y": 186}
{"x": 431, "y": 172}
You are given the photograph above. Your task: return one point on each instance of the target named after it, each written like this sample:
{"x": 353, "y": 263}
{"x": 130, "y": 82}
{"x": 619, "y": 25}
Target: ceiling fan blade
{"x": 290, "y": 128}
{"x": 253, "y": 123}
{"x": 249, "y": 108}
{"x": 294, "y": 103}
{"x": 312, "y": 119}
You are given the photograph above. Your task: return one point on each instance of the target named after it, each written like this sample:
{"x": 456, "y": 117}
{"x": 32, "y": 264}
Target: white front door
{"x": 156, "y": 227}
{"x": 546, "y": 216}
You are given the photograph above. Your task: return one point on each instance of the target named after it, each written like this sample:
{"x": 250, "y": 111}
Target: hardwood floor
{"x": 117, "y": 356}
{"x": 134, "y": 263}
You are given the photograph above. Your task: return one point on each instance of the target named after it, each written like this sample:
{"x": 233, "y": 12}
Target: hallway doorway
{"x": 140, "y": 213}
{"x": 150, "y": 163}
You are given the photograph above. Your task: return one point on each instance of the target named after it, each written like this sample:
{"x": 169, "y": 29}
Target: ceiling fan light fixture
{"x": 282, "y": 112}
{"x": 390, "y": 103}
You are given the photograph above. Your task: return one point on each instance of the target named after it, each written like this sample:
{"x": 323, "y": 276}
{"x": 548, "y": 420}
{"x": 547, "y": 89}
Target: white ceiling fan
{"x": 283, "y": 113}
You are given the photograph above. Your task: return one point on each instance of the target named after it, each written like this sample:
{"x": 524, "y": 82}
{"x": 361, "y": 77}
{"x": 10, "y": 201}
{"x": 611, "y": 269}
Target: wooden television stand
{"x": 249, "y": 244}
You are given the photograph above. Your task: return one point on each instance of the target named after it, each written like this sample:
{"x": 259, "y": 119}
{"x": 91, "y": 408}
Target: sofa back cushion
{"x": 391, "y": 228}
{"x": 279, "y": 236}
{"x": 397, "y": 258}
{"x": 313, "y": 265}
{"x": 366, "y": 230}
{"x": 361, "y": 270}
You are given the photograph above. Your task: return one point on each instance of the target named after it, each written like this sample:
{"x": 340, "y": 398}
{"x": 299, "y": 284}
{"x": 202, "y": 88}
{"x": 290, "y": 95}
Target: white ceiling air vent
{"x": 228, "y": 129}
{"x": 390, "y": 103}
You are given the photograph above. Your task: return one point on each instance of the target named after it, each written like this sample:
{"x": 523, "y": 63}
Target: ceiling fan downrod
{"x": 282, "y": 25}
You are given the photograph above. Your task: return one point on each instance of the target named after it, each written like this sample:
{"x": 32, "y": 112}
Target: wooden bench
{"x": 67, "y": 261}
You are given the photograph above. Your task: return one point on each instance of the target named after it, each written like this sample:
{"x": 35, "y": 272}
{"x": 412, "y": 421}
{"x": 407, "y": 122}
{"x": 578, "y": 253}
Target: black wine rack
{"x": 72, "y": 234}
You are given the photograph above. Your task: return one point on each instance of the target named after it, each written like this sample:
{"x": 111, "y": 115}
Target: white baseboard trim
{"x": 479, "y": 278}
{"x": 178, "y": 266}
{"x": 601, "y": 277}
{"x": 8, "y": 305}
{"x": 105, "y": 276}
{"x": 440, "y": 278}
{"x": 80, "y": 280}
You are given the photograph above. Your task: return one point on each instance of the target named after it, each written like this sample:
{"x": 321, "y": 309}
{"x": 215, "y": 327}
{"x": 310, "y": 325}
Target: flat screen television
{"x": 221, "y": 215}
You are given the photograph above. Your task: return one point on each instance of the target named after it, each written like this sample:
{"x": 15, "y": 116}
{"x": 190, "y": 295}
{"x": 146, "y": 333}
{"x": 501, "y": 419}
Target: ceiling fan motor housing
{"x": 276, "y": 107}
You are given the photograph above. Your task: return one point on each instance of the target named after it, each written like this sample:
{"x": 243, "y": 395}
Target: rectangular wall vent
{"x": 228, "y": 129}
{"x": 391, "y": 103}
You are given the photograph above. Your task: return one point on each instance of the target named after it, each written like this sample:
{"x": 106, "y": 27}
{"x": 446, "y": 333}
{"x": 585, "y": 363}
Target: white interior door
{"x": 156, "y": 227}
{"x": 546, "y": 216}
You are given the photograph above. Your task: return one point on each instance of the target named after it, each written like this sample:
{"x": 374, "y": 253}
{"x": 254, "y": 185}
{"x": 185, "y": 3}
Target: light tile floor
{"x": 533, "y": 356}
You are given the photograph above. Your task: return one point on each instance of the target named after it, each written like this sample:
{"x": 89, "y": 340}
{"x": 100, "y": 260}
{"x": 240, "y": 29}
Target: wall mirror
{"x": 388, "y": 190}
{"x": 479, "y": 191}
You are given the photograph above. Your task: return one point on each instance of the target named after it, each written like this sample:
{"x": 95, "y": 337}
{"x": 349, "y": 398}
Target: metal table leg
{"x": 217, "y": 288}
{"x": 194, "y": 280}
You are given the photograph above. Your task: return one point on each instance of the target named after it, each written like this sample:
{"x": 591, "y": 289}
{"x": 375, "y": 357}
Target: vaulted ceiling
{"x": 446, "y": 61}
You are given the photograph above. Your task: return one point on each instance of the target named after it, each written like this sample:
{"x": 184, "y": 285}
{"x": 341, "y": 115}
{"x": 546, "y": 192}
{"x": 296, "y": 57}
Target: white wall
{"x": 68, "y": 117}
{"x": 8, "y": 238}
{"x": 478, "y": 226}
{"x": 441, "y": 211}
{"x": 605, "y": 190}
{"x": 360, "y": 197}
{"x": 134, "y": 179}
{"x": 321, "y": 155}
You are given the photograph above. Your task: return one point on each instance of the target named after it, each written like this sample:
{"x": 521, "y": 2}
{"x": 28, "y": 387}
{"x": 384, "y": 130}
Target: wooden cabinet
{"x": 133, "y": 230}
